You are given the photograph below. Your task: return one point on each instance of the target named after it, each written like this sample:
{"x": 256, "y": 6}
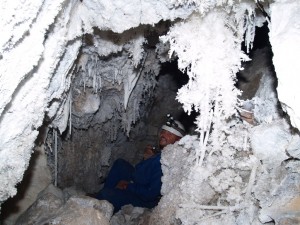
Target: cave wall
{"x": 103, "y": 110}
{"x": 38, "y": 90}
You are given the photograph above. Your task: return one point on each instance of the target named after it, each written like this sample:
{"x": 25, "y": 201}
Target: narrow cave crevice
{"x": 249, "y": 78}
{"x": 98, "y": 136}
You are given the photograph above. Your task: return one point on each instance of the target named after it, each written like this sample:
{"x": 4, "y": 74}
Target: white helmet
{"x": 175, "y": 127}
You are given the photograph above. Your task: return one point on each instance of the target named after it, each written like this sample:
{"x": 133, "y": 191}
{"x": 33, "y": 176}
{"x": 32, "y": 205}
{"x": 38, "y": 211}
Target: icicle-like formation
{"x": 122, "y": 74}
{"x": 55, "y": 156}
{"x": 136, "y": 51}
{"x": 131, "y": 81}
{"x": 135, "y": 110}
{"x": 61, "y": 86}
{"x": 90, "y": 68}
{"x": 70, "y": 112}
{"x": 248, "y": 20}
{"x": 113, "y": 131}
{"x": 211, "y": 61}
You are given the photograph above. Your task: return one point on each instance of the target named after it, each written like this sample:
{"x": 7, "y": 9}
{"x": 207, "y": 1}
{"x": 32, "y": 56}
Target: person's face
{"x": 166, "y": 138}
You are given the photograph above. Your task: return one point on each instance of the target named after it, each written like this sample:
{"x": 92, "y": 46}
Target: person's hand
{"x": 148, "y": 152}
{"x": 122, "y": 184}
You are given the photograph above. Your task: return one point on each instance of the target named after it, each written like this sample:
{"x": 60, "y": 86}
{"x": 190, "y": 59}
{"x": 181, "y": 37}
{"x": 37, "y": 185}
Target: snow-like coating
{"x": 16, "y": 46}
{"x": 25, "y": 91}
{"x": 285, "y": 39}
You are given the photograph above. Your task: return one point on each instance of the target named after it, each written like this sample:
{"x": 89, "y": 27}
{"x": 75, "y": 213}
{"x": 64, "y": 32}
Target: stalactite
{"x": 95, "y": 73}
{"x": 55, "y": 156}
{"x": 245, "y": 142}
{"x": 251, "y": 180}
{"x": 131, "y": 82}
{"x": 134, "y": 110}
{"x": 117, "y": 71}
{"x": 70, "y": 112}
{"x": 100, "y": 82}
{"x": 84, "y": 80}
{"x": 204, "y": 135}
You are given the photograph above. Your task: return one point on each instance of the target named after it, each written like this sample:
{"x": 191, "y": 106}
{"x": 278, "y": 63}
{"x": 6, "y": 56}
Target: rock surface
{"x": 54, "y": 206}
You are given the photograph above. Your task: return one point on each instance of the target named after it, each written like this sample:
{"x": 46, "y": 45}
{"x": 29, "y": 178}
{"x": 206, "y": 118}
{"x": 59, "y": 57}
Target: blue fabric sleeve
{"x": 149, "y": 190}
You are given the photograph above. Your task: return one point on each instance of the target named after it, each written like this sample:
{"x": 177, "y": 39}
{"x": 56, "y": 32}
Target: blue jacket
{"x": 147, "y": 179}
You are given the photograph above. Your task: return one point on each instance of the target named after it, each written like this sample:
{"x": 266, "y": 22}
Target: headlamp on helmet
{"x": 174, "y": 126}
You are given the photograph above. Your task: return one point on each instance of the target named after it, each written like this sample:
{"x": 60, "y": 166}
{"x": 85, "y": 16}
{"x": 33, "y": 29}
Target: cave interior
{"x": 113, "y": 100}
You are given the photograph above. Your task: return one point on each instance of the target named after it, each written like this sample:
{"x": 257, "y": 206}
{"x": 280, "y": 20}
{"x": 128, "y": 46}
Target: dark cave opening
{"x": 261, "y": 39}
{"x": 248, "y": 79}
{"x": 180, "y": 79}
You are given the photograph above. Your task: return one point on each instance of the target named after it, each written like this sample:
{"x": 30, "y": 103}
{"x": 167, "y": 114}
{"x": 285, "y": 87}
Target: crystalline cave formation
{"x": 86, "y": 82}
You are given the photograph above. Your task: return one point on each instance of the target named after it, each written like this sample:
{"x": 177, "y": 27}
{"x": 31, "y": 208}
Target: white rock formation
{"x": 55, "y": 206}
{"x": 285, "y": 38}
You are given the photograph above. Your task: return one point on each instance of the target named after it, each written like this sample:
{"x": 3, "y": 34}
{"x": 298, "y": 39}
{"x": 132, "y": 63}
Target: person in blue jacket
{"x": 140, "y": 185}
